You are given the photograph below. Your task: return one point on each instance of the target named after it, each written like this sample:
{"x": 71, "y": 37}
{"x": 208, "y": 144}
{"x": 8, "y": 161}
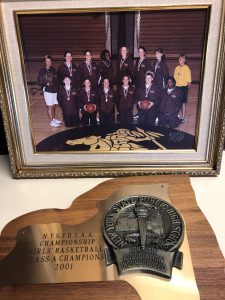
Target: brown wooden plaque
{"x": 207, "y": 260}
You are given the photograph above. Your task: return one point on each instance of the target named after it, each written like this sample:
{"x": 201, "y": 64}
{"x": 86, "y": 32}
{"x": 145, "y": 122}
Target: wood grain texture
{"x": 208, "y": 261}
{"x": 183, "y": 33}
{"x": 55, "y": 34}
{"x": 180, "y": 31}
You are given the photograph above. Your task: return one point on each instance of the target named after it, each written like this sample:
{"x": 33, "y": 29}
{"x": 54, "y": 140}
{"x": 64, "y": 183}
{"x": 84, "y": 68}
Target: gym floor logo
{"x": 114, "y": 138}
{"x": 120, "y": 140}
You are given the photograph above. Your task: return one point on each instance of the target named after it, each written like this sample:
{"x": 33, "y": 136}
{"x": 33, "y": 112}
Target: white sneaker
{"x": 54, "y": 124}
{"x": 57, "y": 121}
{"x": 156, "y": 121}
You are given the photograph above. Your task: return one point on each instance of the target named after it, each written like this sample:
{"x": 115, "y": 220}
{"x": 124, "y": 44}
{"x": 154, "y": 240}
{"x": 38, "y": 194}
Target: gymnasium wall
{"x": 54, "y": 34}
{"x": 180, "y": 31}
{"x": 175, "y": 31}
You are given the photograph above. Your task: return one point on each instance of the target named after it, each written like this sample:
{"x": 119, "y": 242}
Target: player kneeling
{"x": 170, "y": 105}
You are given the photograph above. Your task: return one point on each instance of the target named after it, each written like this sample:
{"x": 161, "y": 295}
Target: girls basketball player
{"x": 142, "y": 66}
{"x": 88, "y": 101}
{"x": 147, "y": 98}
{"x": 124, "y": 66}
{"x": 160, "y": 68}
{"x": 68, "y": 100}
{"x": 88, "y": 68}
{"x": 169, "y": 105}
{"x": 105, "y": 68}
{"x": 182, "y": 75}
{"x": 125, "y": 100}
{"x": 69, "y": 69}
{"x": 47, "y": 78}
{"x": 107, "y": 100}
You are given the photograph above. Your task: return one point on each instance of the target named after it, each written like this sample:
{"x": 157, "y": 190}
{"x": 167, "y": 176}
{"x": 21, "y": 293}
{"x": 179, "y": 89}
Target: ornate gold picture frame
{"x": 194, "y": 29}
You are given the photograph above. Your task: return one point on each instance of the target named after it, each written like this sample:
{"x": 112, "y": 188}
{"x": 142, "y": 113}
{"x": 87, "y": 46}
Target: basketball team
{"x": 91, "y": 93}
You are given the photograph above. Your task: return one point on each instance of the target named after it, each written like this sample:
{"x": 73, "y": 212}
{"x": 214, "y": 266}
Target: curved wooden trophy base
{"x": 207, "y": 259}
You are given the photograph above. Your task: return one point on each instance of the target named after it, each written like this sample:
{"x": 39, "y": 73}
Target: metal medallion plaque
{"x": 137, "y": 236}
{"x": 145, "y": 233}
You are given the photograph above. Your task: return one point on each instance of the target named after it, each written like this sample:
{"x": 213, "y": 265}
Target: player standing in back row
{"x": 47, "y": 78}
{"x": 182, "y": 75}
{"x": 88, "y": 69}
{"x": 124, "y": 66}
{"x": 160, "y": 69}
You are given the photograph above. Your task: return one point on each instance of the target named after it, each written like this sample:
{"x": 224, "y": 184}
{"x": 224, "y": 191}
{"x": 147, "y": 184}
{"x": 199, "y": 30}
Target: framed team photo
{"x": 96, "y": 88}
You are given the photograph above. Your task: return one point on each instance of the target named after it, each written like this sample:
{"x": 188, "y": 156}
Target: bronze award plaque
{"x": 145, "y": 233}
{"x": 136, "y": 235}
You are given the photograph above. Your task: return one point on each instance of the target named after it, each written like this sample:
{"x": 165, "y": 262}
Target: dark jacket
{"x": 127, "y": 68}
{"x": 105, "y": 70}
{"x": 161, "y": 73}
{"x": 83, "y": 98}
{"x": 125, "y": 103}
{"x": 48, "y": 80}
{"x": 72, "y": 72}
{"x": 170, "y": 103}
{"x": 68, "y": 101}
{"x": 153, "y": 94}
{"x": 109, "y": 105}
{"x": 140, "y": 71}
{"x": 84, "y": 73}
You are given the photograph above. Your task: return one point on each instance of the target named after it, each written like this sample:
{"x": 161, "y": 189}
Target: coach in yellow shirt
{"x": 182, "y": 75}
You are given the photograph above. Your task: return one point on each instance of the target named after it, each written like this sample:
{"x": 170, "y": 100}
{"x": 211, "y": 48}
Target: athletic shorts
{"x": 184, "y": 93}
{"x": 50, "y": 98}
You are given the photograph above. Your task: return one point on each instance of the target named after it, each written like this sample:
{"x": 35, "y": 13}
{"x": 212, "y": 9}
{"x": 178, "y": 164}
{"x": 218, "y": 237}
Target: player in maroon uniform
{"x": 88, "y": 68}
{"x": 69, "y": 69}
{"x": 107, "y": 100}
{"x": 125, "y": 100}
{"x": 68, "y": 100}
{"x": 87, "y": 96}
{"x": 124, "y": 66}
{"x": 170, "y": 104}
{"x": 105, "y": 68}
{"x": 149, "y": 94}
{"x": 142, "y": 66}
{"x": 160, "y": 68}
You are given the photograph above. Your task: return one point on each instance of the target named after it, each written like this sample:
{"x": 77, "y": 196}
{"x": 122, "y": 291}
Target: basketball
{"x": 49, "y": 77}
{"x": 144, "y": 104}
{"x": 90, "y": 108}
